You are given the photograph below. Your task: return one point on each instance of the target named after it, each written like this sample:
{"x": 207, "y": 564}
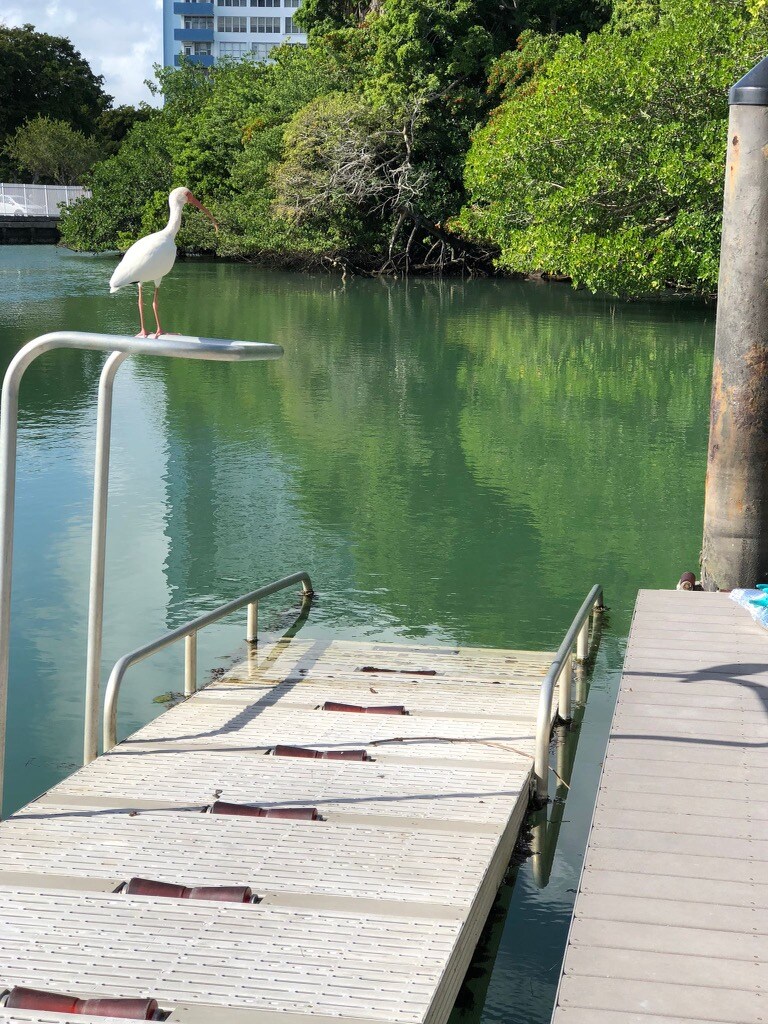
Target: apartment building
{"x": 206, "y": 32}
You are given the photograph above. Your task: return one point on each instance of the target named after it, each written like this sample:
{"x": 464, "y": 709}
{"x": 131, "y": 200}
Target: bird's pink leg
{"x": 143, "y": 332}
{"x": 157, "y": 315}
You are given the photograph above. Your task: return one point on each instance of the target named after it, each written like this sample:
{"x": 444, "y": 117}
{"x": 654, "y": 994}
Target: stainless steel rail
{"x": 189, "y": 633}
{"x": 547, "y": 822}
{"x": 175, "y": 347}
{"x": 545, "y": 827}
{"x": 561, "y": 670}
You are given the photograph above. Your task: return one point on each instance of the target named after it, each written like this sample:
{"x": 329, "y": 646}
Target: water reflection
{"x": 453, "y": 461}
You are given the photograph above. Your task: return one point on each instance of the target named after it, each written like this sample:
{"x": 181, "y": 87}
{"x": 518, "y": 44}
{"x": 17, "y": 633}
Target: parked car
{"x": 11, "y": 208}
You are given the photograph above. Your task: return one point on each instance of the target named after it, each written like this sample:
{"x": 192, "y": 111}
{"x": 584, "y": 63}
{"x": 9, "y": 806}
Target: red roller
{"x": 282, "y": 751}
{"x": 328, "y": 755}
{"x": 295, "y": 813}
{"x": 249, "y": 811}
{"x": 55, "y": 1002}
{"x": 222, "y": 893}
{"x": 167, "y": 890}
{"x": 400, "y": 671}
{"x": 381, "y": 709}
{"x": 32, "y": 999}
{"x": 135, "y": 1009}
{"x": 148, "y": 887}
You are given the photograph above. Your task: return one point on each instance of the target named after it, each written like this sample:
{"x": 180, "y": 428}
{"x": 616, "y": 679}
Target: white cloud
{"x": 121, "y": 42}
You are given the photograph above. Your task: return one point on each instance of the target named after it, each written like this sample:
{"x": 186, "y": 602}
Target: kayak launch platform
{"x": 364, "y": 797}
{"x": 315, "y": 838}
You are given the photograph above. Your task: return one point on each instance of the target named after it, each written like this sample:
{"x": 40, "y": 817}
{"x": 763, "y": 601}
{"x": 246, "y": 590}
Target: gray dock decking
{"x": 369, "y": 916}
{"x": 670, "y": 924}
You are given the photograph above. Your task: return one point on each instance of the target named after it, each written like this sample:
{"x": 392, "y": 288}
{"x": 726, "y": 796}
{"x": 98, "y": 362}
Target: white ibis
{"x": 151, "y": 258}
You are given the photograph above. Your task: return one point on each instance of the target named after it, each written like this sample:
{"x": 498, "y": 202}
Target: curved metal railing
{"x": 561, "y": 670}
{"x": 189, "y": 632}
{"x": 178, "y": 347}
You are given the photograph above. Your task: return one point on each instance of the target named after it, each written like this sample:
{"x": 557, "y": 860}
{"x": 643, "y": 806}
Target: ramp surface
{"x": 368, "y": 914}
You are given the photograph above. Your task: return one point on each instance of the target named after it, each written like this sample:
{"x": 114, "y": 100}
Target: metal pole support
{"x": 565, "y": 683}
{"x": 98, "y": 553}
{"x": 9, "y": 409}
{"x": 185, "y": 632}
{"x": 735, "y": 543}
{"x": 582, "y": 643}
{"x": 190, "y": 664}
{"x": 561, "y": 671}
{"x": 176, "y": 347}
{"x": 581, "y": 684}
{"x": 252, "y": 627}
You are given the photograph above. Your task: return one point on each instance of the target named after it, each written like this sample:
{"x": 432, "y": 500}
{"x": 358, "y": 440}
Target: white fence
{"x": 37, "y": 200}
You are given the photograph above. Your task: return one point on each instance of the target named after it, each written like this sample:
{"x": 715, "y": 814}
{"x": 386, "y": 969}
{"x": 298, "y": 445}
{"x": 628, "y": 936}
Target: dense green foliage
{"x": 55, "y": 118}
{"x": 347, "y": 152}
{"x": 605, "y": 161}
{"x": 115, "y": 123}
{"x": 530, "y": 135}
{"x": 52, "y": 151}
{"x": 44, "y": 75}
{"x": 141, "y": 171}
{"x": 508, "y": 17}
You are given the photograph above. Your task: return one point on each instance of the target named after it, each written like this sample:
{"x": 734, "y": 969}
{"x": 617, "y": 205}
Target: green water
{"x": 451, "y": 461}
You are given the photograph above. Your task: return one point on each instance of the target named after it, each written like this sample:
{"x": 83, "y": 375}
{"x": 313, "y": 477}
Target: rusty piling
{"x": 735, "y": 544}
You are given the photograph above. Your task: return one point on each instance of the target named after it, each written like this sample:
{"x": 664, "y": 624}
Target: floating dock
{"x": 318, "y": 835}
{"x": 373, "y": 859}
{"x": 670, "y": 924}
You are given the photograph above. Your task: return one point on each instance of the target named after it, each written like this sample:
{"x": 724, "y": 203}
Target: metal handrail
{"x": 171, "y": 346}
{"x": 561, "y": 666}
{"x": 189, "y": 632}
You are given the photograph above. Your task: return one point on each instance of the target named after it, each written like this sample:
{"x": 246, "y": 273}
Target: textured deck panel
{"x": 264, "y": 957}
{"x": 422, "y": 698}
{"x": 369, "y": 915}
{"x": 670, "y": 923}
{"x": 452, "y": 682}
{"x": 189, "y": 1013}
{"x": 298, "y": 658}
{"x": 217, "y": 723}
{"x": 335, "y": 788}
{"x": 298, "y": 856}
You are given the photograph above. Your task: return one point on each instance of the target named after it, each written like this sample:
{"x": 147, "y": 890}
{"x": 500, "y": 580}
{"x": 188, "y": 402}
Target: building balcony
{"x": 194, "y": 35}
{"x": 206, "y": 60}
{"x": 201, "y": 10}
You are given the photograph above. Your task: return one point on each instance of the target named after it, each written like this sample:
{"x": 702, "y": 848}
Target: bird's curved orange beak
{"x": 199, "y": 205}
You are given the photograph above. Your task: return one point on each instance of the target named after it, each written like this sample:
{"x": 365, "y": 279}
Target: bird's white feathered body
{"x": 151, "y": 258}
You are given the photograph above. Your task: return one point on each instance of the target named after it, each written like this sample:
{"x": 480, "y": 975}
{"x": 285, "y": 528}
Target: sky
{"x": 120, "y": 40}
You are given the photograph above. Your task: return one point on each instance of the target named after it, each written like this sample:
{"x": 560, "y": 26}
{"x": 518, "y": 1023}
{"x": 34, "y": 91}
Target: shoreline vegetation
{"x": 547, "y": 138}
